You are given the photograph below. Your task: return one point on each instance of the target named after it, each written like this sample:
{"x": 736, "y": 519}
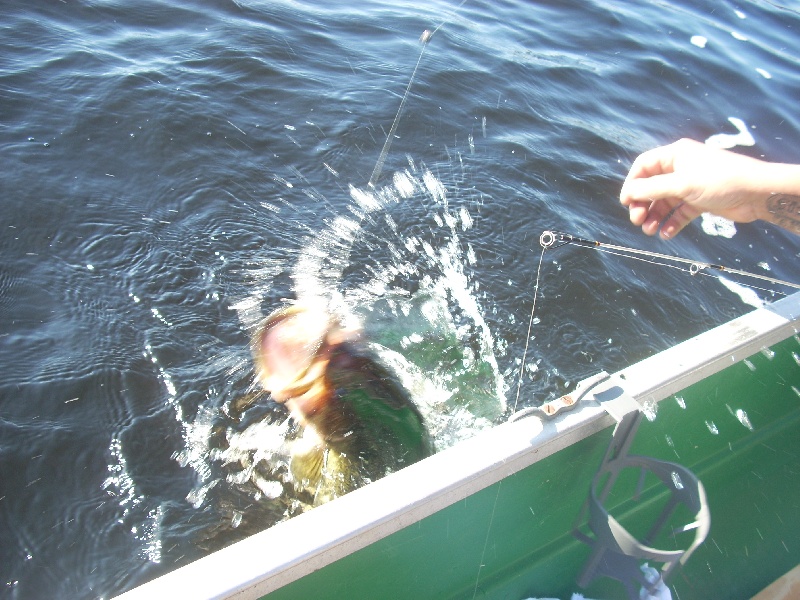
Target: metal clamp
{"x": 551, "y": 409}
{"x": 615, "y": 552}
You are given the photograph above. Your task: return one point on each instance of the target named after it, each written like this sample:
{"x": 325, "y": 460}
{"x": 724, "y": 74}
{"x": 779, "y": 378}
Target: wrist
{"x": 777, "y": 199}
{"x": 775, "y": 192}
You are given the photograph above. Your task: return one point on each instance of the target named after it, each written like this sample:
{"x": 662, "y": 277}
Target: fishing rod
{"x": 550, "y": 239}
{"x": 556, "y": 239}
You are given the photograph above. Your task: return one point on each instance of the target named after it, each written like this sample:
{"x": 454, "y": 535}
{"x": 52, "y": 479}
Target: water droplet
{"x": 744, "y": 419}
{"x": 712, "y": 428}
{"x": 466, "y": 218}
{"x": 676, "y": 481}
{"x": 236, "y": 520}
{"x": 270, "y": 489}
{"x": 650, "y": 408}
{"x": 472, "y": 258}
{"x": 403, "y": 184}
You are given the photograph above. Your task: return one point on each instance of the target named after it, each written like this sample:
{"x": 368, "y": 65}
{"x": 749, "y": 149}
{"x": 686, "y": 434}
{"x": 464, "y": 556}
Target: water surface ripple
{"x": 167, "y": 167}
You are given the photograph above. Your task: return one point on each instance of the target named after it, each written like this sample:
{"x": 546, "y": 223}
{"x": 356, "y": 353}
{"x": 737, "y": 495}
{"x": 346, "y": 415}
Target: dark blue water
{"x": 171, "y": 170}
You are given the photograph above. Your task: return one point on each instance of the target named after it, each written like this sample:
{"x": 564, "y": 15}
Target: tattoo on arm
{"x": 785, "y": 210}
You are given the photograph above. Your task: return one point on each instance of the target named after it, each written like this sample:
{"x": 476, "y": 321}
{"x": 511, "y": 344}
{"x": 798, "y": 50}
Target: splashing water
{"x": 410, "y": 289}
{"x": 650, "y": 409}
{"x": 741, "y": 416}
{"x": 143, "y": 524}
{"x": 420, "y": 297}
{"x": 744, "y": 419}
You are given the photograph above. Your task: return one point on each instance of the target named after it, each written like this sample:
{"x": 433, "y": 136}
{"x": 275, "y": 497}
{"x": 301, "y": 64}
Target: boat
{"x": 682, "y": 469}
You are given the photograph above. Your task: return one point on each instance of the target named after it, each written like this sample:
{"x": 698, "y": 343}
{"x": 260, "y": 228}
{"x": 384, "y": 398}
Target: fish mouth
{"x": 285, "y": 346}
{"x": 291, "y": 351}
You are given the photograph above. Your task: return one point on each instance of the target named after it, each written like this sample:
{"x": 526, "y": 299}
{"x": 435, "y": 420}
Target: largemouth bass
{"x": 358, "y": 422}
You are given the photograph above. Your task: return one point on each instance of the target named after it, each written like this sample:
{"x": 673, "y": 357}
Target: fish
{"x": 358, "y": 422}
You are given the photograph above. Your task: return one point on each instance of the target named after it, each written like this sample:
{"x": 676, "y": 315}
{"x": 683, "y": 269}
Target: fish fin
{"x": 308, "y": 460}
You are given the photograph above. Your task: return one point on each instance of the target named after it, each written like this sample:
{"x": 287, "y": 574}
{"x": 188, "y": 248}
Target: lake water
{"x": 172, "y": 170}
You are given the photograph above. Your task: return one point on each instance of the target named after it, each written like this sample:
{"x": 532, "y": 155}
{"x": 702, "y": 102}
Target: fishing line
{"x": 530, "y": 326}
{"x": 424, "y": 39}
{"x": 376, "y": 172}
{"x": 481, "y": 564}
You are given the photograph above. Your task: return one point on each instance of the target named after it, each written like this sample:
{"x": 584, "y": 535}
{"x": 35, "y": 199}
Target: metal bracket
{"x": 615, "y": 552}
{"x": 553, "y": 408}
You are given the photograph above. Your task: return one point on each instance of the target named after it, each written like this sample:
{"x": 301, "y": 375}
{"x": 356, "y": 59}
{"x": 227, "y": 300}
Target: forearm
{"x": 669, "y": 186}
{"x": 776, "y": 195}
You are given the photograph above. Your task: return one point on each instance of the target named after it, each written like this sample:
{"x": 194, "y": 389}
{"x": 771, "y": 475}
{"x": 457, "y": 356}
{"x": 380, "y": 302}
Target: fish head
{"x": 292, "y": 350}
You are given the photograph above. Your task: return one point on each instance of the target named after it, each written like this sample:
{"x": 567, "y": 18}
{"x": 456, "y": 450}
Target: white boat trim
{"x": 290, "y": 550}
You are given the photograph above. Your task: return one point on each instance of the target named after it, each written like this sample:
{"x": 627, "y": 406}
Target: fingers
{"x": 652, "y": 191}
{"x": 665, "y": 217}
{"x": 656, "y": 212}
{"x": 657, "y": 161}
{"x": 651, "y": 200}
{"x": 655, "y": 175}
{"x": 638, "y": 211}
{"x": 654, "y": 187}
{"x": 680, "y": 217}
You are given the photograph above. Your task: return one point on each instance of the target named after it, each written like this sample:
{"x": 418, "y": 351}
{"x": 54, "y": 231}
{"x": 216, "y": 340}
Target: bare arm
{"x": 784, "y": 210}
{"x": 669, "y": 186}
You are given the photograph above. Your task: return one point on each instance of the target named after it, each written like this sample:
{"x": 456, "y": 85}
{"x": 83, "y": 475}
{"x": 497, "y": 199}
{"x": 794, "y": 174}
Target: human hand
{"x": 669, "y": 186}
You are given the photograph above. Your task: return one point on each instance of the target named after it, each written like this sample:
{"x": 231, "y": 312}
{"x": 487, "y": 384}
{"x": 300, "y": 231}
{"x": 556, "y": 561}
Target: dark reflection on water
{"x": 166, "y": 168}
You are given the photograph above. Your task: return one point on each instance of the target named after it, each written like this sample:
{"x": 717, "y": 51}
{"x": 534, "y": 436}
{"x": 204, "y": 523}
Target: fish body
{"x": 358, "y": 422}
